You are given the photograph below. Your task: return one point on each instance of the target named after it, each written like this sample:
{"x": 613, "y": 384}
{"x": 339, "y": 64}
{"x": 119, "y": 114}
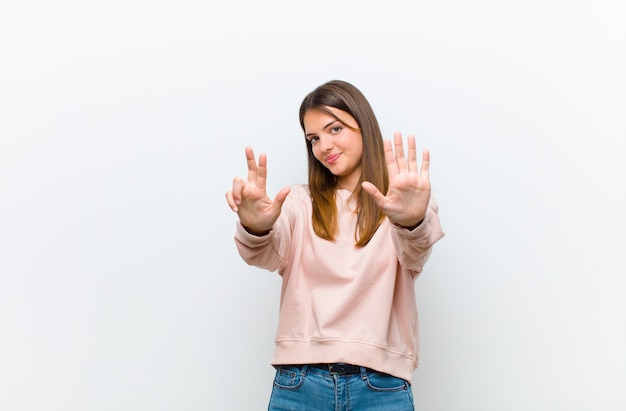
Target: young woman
{"x": 349, "y": 246}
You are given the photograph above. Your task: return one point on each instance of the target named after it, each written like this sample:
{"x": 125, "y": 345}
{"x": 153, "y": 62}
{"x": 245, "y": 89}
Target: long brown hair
{"x": 322, "y": 183}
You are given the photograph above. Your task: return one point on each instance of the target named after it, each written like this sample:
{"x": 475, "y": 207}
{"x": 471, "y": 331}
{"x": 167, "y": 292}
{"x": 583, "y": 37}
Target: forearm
{"x": 414, "y": 244}
{"x": 260, "y": 250}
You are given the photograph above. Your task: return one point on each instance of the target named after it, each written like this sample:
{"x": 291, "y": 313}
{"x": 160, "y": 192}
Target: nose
{"x": 326, "y": 143}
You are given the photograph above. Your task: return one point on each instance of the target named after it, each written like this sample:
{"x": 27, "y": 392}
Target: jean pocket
{"x": 379, "y": 381}
{"x": 289, "y": 378}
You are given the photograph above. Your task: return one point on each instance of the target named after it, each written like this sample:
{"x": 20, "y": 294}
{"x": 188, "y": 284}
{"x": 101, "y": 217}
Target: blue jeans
{"x": 304, "y": 388}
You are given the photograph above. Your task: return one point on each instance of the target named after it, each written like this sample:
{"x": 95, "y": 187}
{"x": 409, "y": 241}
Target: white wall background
{"x": 122, "y": 124}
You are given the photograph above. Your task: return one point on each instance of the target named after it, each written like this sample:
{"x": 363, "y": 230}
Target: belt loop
{"x": 303, "y": 370}
{"x": 363, "y": 373}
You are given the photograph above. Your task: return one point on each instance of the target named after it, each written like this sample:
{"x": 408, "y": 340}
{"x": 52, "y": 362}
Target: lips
{"x": 332, "y": 159}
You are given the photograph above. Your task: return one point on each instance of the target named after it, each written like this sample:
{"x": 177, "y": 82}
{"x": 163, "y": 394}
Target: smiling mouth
{"x": 332, "y": 159}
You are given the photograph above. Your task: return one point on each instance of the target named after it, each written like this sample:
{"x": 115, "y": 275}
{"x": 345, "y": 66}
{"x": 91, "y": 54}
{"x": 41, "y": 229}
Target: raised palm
{"x": 406, "y": 201}
{"x": 248, "y": 198}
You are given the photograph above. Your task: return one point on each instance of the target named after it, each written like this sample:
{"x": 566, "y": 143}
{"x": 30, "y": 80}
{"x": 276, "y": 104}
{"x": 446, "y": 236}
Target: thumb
{"x": 281, "y": 197}
{"x": 373, "y": 191}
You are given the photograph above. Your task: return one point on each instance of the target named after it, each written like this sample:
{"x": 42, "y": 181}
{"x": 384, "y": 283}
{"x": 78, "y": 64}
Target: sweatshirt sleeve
{"x": 414, "y": 246}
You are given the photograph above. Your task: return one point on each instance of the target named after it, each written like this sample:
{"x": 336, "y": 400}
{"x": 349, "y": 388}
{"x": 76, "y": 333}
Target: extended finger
{"x": 261, "y": 177}
{"x": 252, "y": 167}
{"x": 411, "y": 154}
{"x": 425, "y": 164}
{"x": 399, "y": 149}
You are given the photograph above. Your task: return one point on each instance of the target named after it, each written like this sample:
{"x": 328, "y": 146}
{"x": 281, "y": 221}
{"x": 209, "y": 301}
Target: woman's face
{"x": 337, "y": 146}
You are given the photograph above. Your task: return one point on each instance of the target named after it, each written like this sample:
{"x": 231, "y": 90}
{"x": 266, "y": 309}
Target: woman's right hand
{"x": 257, "y": 212}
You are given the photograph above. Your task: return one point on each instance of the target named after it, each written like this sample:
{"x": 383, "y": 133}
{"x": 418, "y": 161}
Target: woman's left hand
{"x": 408, "y": 195}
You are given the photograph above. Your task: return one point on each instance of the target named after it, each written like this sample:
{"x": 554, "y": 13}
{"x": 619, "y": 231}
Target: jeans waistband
{"x": 338, "y": 368}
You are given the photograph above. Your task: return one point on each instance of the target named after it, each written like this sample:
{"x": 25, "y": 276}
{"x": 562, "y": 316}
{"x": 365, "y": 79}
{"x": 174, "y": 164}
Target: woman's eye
{"x": 336, "y": 129}
{"x": 314, "y": 139}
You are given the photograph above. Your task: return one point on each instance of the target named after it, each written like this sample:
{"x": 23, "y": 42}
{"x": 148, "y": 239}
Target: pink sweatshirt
{"x": 340, "y": 303}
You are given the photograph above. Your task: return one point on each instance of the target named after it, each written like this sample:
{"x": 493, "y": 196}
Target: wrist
{"x": 258, "y": 233}
{"x": 409, "y": 225}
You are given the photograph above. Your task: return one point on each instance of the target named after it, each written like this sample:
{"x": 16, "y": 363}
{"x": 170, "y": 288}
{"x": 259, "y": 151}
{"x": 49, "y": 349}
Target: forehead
{"x": 317, "y": 119}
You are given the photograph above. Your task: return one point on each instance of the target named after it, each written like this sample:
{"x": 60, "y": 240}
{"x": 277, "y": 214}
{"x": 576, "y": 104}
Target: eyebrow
{"x": 323, "y": 128}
